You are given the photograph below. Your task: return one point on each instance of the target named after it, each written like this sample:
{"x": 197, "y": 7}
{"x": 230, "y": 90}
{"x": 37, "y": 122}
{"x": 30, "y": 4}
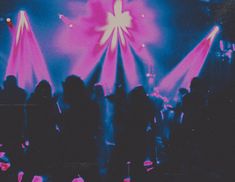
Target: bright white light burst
{"x": 117, "y": 26}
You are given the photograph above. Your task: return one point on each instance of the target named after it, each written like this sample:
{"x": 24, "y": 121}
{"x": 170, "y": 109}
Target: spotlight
{"x": 143, "y": 45}
{"x": 70, "y": 25}
{"x": 60, "y": 16}
{"x": 8, "y": 20}
{"x": 213, "y": 33}
{"x": 20, "y": 63}
{"x": 217, "y": 28}
{"x": 142, "y": 15}
{"x": 9, "y": 23}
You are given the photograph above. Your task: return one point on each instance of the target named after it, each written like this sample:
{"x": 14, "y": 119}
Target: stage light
{"x": 60, "y": 16}
{"x": 10, "y": 25}
{"x": 120, "y": 25}
{"x": 26, "y": 61}
{"x": 70, "y": 25}
{"x": 213, "y": 33}
{"x": 216, "y": 28}
{"x": 8, "y": 20}
{"x": 189, "y": 67}
{"x": 117, "y": 25}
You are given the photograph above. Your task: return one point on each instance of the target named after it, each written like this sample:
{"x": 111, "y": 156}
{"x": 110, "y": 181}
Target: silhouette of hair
{"x": 43, "y": 89}
{"x": 138, "y": 92}
{"x": 74, "y": 89}
{"x": 10, "y": 82}
{"x": 196, "y": 84}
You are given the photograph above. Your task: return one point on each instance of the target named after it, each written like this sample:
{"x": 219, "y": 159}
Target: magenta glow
{"x": 26, "y": 61}
{"x": 189, "y": 67}
{"x": 103, "y": 26}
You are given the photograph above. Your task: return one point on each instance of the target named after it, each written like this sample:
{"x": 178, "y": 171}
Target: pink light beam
{"x": 189, "y": 67}
{"x": 26, "y": 60}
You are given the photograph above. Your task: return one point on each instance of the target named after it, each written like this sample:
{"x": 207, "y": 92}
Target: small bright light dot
{"x": 60, "y": 16}
{"x": 71, "y": 25}
{"x": 216, "y": 28}
{"x": 8, "y": 20}
{"x": 27, "y": 143}
{"x": 142, "y": 15}
{"x": 143, "y": 45}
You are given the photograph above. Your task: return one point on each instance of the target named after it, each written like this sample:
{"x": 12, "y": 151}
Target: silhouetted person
{"x": 140, "y": 113}
{"x": 80, "y": 122}
{"x": 42, "y": 118}
{"x": 117, "y": 162}
{"x": 12, "y": 122}
{"x": 194, "y": 122}
{"x": 119, "y": 101}
{"x": 98, "y": 97}
{"x": 177, "y": 130}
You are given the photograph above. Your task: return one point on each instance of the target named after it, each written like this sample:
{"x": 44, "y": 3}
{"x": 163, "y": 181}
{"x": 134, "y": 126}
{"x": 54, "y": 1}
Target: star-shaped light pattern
{"x": 117, "y": 25}
{"x": 95, "y": 36}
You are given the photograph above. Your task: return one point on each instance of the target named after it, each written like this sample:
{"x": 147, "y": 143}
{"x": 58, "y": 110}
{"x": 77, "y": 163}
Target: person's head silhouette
{"x": 74, "y": 90}
{"x": 196, "y": 84}
{"x": 10, "y": 82}
{"x": 43, "y": 89}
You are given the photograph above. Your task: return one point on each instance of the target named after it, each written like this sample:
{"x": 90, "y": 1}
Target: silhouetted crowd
{"x": 81, "y": 133}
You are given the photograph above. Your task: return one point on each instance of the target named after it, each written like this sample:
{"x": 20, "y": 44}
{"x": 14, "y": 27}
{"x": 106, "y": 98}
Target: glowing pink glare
{"x": 4, "y": 166}
{"x": 77, "y": 8}
{"x": 103, "y": 26}
{"x": 143, "y": 24}
{"x": 128, "y": 179}
{"x": 26, "y": 61}
{"x": 195, "y": 69}
{"x": 221, "y": 43}
{"x": 37, "y": 179}
{"x": 20, "y": 176}
{"x": 148, "y": 163}
{"x": 190, "y": 67}
{"x": 80, "y": 179}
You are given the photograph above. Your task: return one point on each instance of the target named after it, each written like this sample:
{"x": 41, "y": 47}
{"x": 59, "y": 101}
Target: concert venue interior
{"x": 117, "y": 90}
